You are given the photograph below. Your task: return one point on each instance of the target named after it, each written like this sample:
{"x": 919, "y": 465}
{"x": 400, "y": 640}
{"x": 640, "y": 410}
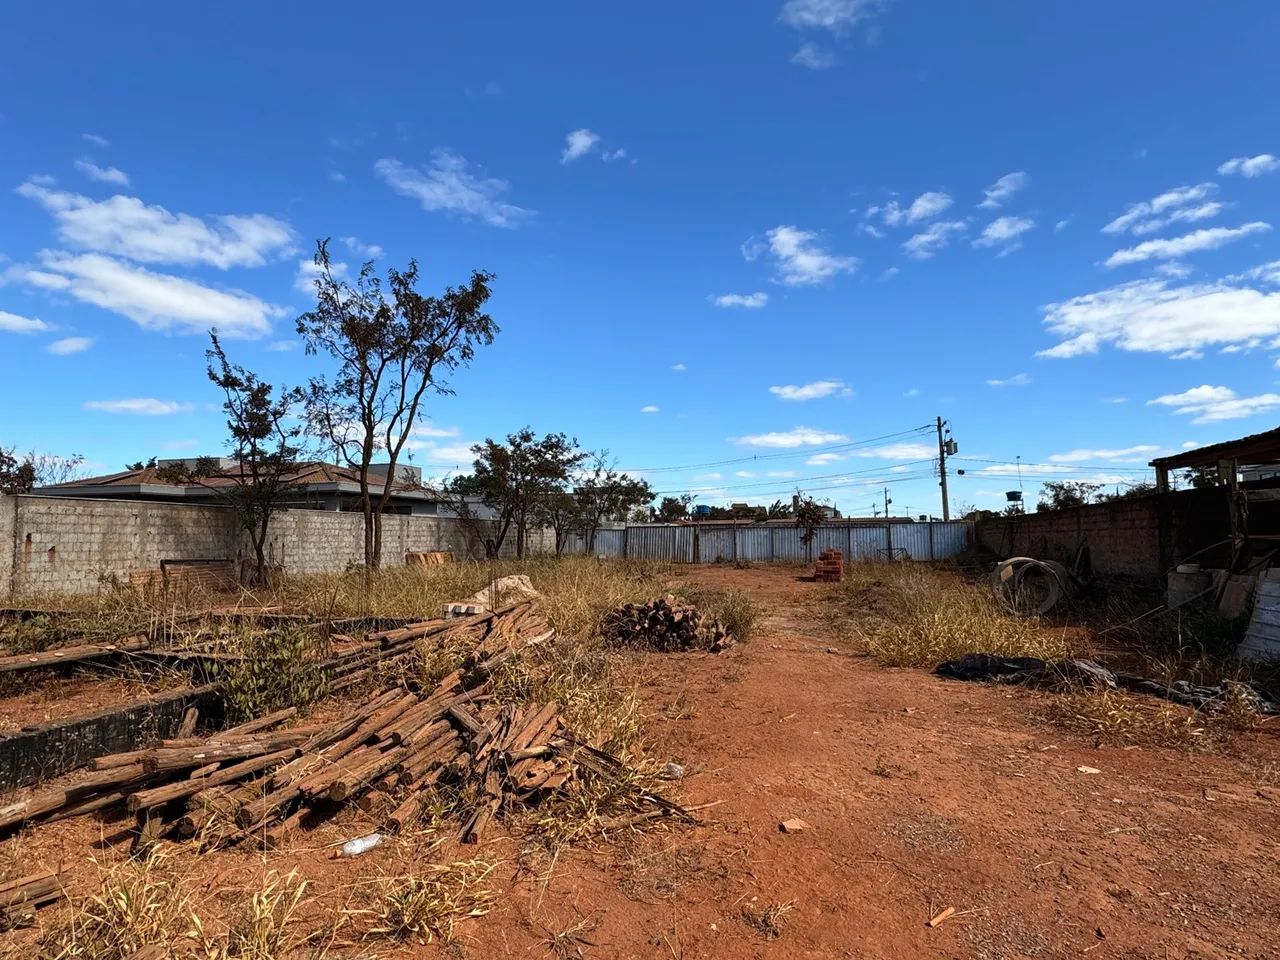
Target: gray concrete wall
{"x": 64, "y": 545}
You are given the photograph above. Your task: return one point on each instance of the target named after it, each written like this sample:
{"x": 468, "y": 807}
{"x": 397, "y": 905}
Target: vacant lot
{"x": 917, "y": 794}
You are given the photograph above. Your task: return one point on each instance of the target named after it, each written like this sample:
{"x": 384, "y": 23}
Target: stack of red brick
{"x": 830, "y": 568}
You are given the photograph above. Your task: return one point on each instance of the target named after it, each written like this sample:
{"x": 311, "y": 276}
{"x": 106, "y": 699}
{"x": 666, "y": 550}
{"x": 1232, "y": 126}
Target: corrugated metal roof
{"x": 1255, "y": 448}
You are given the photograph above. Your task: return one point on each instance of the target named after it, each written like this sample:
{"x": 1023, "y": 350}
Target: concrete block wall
{"x": 66, "y": 545}
{"x": 63, "y": 545}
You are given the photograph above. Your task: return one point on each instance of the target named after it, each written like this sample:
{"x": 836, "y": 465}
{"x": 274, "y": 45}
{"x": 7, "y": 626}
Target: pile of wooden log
{"x": 664, "y": 624}
{"x": 19, "y": 899}
{"x": 830, "y": 567}
{"x": 261, "y": 781}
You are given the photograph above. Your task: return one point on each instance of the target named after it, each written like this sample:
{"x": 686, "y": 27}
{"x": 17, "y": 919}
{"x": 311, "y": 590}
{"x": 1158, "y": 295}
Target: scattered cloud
{"x": 1062, "y": 224}
{"x": 610, "y": 156}
{"x": 937, "y": 237}
{"x": 1017, "y": 380}
{"x": 447, "y": 184}
{"x": 282, "y": 346}
{"x": 366, "y": 251}
{"x": 154, "y": 301}
{"x": 1116, "y": 399}
{"x": 1250, "y": 166}
{"x": 579, "y": 143}
{"x": 304, "y": 280}
{"x": 913, "y": 392}
{"x": 890, "y": 272}
{"x": 812, "y": 391}
{"x": 431, "y": 430}
{"x": 337, "y": 176}
{"x": 1139, "y": 453}
{"x": 743, "y": 474}
{"x": 96, "y": 140}
{"x": 788, "y": 439}
{"x": 798, "y": 258}
{"x": 897, "y": 451}
{"x": 1003, "y": 189}
{"x": 649, "y": 408}
{"x": 126, "y": 227}
{"x": 12, "y": 323}
{"x": 679, "y": 367}
{"x": 1174, "y": 269}
{"x": 823, "y": 459}
{"x": 102, "y": 174}
{"x": 924, "y": 207}
{"x": 1138, "y": 217}
{"x": 780, "y": 474}
{"x": 871, "y": 230}
{"x": 814, "y": 57}
{"x": 708, "y": 476}
{"x": 1206, "y": 404}
{"x": 141, "y": 406}
{"x": 1003, "y": 232}
{"x": 69, "y": 345}
{"x": 1174, "y": 247}
{"x": 752, "y": 301}
{"x": 835, "y": 16}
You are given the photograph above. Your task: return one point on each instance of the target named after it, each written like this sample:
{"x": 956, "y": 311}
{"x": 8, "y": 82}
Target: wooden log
{"x": 479, "y": 820}
{"x": 265, "y": 722}
{"x": 185, "y": 788}
{"x": 279, "y": 834}
{"x": 190, "y": 718}
{"x": 360, "y": 777}
{"x": 31, "y": 887}
{"x": 178, "y": 758}
{"x": 51, "y": 801}
{"x": 319, "y": 743}
{"x": 77, "y": 654}
{"x": 421, "y": 762}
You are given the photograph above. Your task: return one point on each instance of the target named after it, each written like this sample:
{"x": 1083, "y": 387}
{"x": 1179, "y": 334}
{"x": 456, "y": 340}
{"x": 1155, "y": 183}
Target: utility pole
{"x": 887, "y": 501}
{"x": 945, "y": 446}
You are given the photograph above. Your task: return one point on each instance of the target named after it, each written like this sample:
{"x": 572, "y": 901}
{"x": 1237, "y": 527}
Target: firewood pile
{"x": 830, "y": 567}
{"x": 261, "y": 782}
{"x": 666, "y": 625}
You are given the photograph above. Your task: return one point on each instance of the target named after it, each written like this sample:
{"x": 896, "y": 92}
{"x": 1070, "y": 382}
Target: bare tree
{"x": 20, "y": 473}
{"x": 392, "y": 345}
{"x": 605, "y": 494}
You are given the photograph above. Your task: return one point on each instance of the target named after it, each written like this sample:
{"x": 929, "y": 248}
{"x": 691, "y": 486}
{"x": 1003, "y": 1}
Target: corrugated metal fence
{"x": 764, "y": 543}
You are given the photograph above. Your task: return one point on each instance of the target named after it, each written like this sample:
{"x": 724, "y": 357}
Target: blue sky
{"x": 722, "y": 230}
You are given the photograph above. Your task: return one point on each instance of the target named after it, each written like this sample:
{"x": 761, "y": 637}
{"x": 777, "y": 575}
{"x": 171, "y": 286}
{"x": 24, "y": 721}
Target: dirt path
{"x": 919, "y": 794}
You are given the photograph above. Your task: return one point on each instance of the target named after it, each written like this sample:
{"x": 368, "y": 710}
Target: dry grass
{"x": 768, "y": 920}
{"x": 733, "y": 608}
{"x": 422, "y": 908}
{"x": 926, "y": 616}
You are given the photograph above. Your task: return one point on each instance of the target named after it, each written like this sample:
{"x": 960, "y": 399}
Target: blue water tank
{"x": 702, "y": 510}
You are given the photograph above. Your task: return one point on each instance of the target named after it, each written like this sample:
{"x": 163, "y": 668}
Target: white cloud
{"x": 96, "y": 140}
{"x": 579, "y": 143}
{"x": 837, "y": 16}
{"x": 1153, "y": 316}
{"x": 708, "y": 476}
{"x": 812, "y": 391}
{"x": 913, "y": 392}
{"x": 12, "y": 323}
{"x": 1017, "y": 380}
{"x": 431, "y": 430}
{"x": 780, "y": 474}
{"x": 1004, "y": 232}
{"x": 752, "y": 301}
{"x": 609, "y": 156}
{"x": 455, "y": 455}
{"x": 446, "y": 184}
{"x": 679, "y": 367}
{"x": 743, "y": 474}
{"x": 155, "y": 301}
{"x": 937, "y": 237}
{"x": 890, "y": 272}
{"x": 282, "y": 346}
{"x": 70, "y": 345}
{"x": 1174, "y": 269}
{"x": 1061, "y": 225}
{"x": 126, "y": 227}
{"x": 923, "y": 207}
{"x": 649, "y": 408}
{"x": 1189, "y": 444}
{"x": 799, "y": 260}
{"x": 1003, "y": 189}
{"x": 871, "y": 230}
{"x": 796, "y": 437}
{"x": 1206, "y": 404}
{"x": 102, "y": 174}
{"x": 366, "y": 251}
{"x": 142, "y": 406}
{"x": 1203, "y": 211}
{"x": 898, "y": 451}
{"x": 823, "y": 459}
{"x": 1116, "y": 399}
{"x": 1250, "y": 166}
{"x": 1174, "y": 247}
{"x": 1139, "y": 453}
{"x": 814, "y": 57}
{"x": 1137, "y": 214}
{"x": 304, "y": 280}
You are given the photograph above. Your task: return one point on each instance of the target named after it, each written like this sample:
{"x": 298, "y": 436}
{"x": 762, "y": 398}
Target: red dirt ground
{"x": 919, "y": 794}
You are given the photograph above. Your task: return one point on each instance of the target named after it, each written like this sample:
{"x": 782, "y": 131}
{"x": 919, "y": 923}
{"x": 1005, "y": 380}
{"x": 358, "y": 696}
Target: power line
{"x": 1065, "y": 466}
{"x": 792, "y": 481}
{"x": 853, "y": 485}
{"x": 807, "y": 452}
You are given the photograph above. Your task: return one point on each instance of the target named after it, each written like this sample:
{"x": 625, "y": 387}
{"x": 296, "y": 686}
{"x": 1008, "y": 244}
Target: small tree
{"x": 515, "y": 479}
{"x": 1062, "y": 494}
{"x": 264, "y": 443}
{"x": 1201, "y": 478}
{"x": 393, "y": 345}
{"x": 605, "y": 494}
{"x": 20, "y": 473}
{"x": 674, "y": 509}
{"x": 809, "y": 517}
{"x": 778, "y": 510}
{"x": 560, "y": 511}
